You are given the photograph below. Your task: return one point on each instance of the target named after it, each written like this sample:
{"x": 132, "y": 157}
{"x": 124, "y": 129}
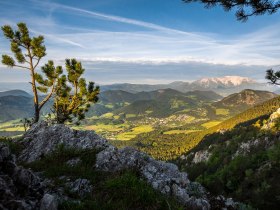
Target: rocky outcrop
{"x": 247, "y": 147}
{"x": 196, "y": 157}
{"x": 201, "y": 156}
{"x": 19, "y": 188}
{"x": 73, "y": 162}
{"x": 163, "y": 176}
{"x": 81, "y": 187}
{"x": 48, "y": 202}
{"x": 42, "y": 139}
{"x": 274, "y": 117}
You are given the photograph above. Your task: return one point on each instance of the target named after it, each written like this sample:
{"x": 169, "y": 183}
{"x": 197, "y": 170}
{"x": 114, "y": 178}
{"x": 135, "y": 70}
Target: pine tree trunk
{"x": 34, "y": 89}
{"x": 36, "y": 113}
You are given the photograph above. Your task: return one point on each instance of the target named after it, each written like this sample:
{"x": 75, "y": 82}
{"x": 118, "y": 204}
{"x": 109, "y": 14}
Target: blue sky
{"x": 144, "y": 41}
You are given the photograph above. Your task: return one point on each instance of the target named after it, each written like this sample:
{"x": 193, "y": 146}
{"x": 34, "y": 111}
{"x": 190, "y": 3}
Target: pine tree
{"x": 73, "y": 96}
{"x": 244, "y": 8}
{"x": 273, "y": 76}
{"x": 28, "y": 52}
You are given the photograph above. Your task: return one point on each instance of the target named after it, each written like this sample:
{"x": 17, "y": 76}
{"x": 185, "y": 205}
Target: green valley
{"x": 123, "y": 116}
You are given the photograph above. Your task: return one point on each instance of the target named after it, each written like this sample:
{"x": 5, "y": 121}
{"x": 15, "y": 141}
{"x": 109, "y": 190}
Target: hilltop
{"x": 244, "y": 99}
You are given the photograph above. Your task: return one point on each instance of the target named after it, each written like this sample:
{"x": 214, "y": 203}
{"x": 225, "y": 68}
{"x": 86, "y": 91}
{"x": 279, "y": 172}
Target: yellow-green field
{"x": 9, "y": 123}
{"x": 131, "y": 115}
{"x": 222, "y": 111}
{"x": 134, "y": 132}
{"x": 107, "y": 115}
{"x": 210, "y": 124}
{"x": 99, "y": 128}
{"x": 10, "y": 126}
{"x": 179, "y": 132}
{"x": 11, "y": 129}
{"x": 110, "y": 106}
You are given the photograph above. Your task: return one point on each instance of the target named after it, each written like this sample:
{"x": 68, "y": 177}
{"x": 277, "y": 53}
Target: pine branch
{"x": 37, "y": 63}
{"x": 42, "y": 103}
{"x": 274, "y": 83}
{"x": 24, "y": 67}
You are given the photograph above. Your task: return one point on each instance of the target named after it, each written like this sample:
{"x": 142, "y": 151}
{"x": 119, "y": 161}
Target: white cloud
{"x": 150, "y": 49}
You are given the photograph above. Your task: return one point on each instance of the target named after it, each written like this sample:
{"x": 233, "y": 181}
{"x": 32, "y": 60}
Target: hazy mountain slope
{"x": 14, "y": 93}
{"x": 132, "y": 88}
{"x": 15, "y": 107}
{"x": 120, "y": 96}
{"x": 6, "y": 86}
{"x": 204, "y": 95}
{"x": 116, "y": 96}
{"x": 18, "y": 107}
{"x": 151, "y": 107}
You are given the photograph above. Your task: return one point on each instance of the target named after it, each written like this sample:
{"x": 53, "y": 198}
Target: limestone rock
{"x": 247, "y": 147}
{"x": 272, "y": 119}
{"x": 73, "y": 162}
{"x": 49, "y": 202}
{"x": 201, "y": 156}
{"x": 164, "y": 177}
{"x": 81, "y": 187}
{"x": 42, "y": 139}
{"x": 19, "y": 188}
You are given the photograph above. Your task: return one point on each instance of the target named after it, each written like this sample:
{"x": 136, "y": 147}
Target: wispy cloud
{"x": 147, "y": 45}
{"x": 163, "y": 44}
{"x": 109, "y": 17}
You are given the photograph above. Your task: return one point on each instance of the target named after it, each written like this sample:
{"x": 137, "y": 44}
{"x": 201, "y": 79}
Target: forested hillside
{"x": 243, "y": 162}
{"x": 167, "y": 147}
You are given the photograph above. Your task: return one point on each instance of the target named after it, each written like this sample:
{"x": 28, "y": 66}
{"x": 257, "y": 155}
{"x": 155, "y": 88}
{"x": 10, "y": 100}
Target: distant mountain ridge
{"x": 15, "y": 107}
{"x": 221, "y": 85}
{"x": 227, "y": 81}
{"x": 159, "y": 103}
{"x": 14, "y": 93}
{"x": 114, "y": 96}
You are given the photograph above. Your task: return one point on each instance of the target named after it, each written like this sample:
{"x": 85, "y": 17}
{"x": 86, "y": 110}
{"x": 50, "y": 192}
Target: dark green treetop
{"x": 273, "y": 76}
{"x": 244, "y": 8}
{"x": 74, "y": 95}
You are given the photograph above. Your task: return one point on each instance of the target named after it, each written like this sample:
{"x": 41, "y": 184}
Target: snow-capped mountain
{"x": 227, "y": 81}
{"x": 222, "y": 85}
